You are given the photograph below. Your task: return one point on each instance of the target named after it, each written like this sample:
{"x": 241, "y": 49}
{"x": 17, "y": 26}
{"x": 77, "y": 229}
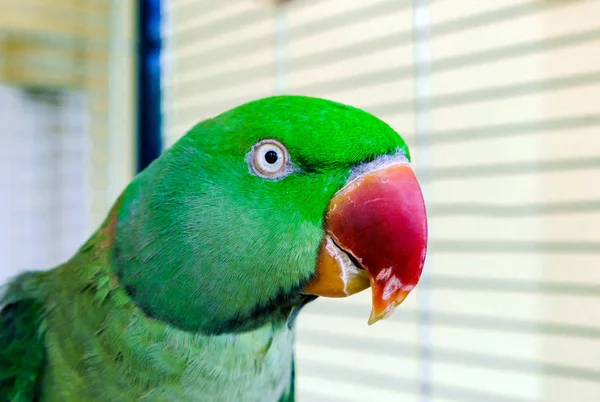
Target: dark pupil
{"x": 271, "y": 157}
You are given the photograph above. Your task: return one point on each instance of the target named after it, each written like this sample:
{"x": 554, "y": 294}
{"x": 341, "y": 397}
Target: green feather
{"x": 189, "y": 289}
{"x": 21, "y": 350}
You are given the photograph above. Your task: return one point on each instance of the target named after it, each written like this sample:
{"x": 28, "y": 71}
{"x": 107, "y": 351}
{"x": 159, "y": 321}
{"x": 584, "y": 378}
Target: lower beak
{"x": 376, "y": 236}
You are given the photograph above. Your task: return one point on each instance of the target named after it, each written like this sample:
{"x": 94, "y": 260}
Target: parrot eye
{"x": 269, "y": 159}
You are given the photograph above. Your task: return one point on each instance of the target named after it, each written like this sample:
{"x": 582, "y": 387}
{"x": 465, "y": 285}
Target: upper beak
{"x": 376, "y": 235}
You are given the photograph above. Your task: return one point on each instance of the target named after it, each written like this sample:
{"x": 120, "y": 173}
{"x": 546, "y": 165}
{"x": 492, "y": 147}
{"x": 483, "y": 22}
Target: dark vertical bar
{"x": 149, "y": 84}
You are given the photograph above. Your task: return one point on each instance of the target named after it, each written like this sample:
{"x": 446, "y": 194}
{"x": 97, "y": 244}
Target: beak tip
{"x": 374, "y": 317}
{"x": 388, "y": 307}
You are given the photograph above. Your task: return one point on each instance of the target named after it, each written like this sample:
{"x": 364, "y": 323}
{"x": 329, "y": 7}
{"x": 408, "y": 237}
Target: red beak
{"x": 376, "y": 235}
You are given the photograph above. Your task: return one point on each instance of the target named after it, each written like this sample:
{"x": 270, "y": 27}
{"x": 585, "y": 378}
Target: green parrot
{"x": 190, "y": 288}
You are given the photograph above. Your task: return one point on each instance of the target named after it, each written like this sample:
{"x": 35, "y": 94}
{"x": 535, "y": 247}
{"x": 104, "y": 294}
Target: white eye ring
{"x": 269, "y": 159}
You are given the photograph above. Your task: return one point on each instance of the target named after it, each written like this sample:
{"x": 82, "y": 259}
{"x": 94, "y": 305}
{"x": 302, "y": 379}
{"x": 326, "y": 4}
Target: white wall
{"x": 44, "y": 191}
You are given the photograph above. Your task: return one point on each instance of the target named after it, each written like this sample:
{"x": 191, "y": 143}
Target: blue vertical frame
{"x": 149, "y": 114}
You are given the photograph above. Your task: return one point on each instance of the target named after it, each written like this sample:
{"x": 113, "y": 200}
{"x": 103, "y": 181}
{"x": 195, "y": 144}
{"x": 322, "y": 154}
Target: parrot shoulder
{"x": 22, "y": 349}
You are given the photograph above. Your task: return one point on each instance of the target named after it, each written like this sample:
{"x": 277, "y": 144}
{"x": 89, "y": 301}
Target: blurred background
{"x": 499, "y": 100}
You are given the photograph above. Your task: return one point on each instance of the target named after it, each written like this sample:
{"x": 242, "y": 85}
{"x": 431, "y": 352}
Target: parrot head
{"x": 268, "y": 205}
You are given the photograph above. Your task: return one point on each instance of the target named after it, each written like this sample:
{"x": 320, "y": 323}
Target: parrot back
{"x": 21, "y": 348}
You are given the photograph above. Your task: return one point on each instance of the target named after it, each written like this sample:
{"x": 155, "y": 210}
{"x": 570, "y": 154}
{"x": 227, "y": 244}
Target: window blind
{"x": 498, "y": 101}
{"x": 66, "y": 109}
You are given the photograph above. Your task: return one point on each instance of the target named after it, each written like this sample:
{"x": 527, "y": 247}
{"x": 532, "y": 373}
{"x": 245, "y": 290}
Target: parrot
{"x": 190, "y": 288}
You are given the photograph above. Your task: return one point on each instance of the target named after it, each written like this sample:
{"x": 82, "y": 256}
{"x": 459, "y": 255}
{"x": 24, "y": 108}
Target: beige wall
{"x": 85, "y": 46}
{"x": 512, "y": 152}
